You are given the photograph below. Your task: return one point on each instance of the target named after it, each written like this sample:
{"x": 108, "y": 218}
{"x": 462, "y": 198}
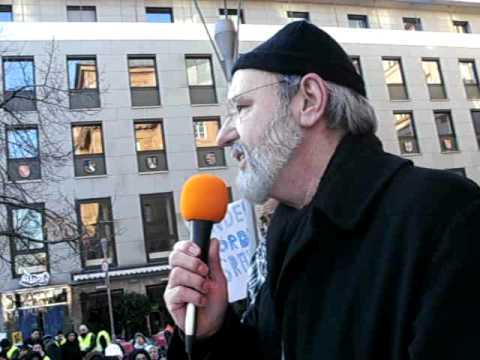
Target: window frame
{"x": 31, "y": 59}
{"x": 406, "y": 20}
{"x": 442, "y": 79}
{"x": 291, "y": 15}
{"x": 80, "y": 157}
{"x": 5, "y": 8}
{"x": 232, "y": 12}
{"x": 113, "y": 256}
{"x": 159, "y": 256}
{"x": 414, "y": 129}
{"x": 358, "y": 17}
{"x": 212, "y": 87}
{"x": 33, "y": 160}
{"x": 95, "y": 91}
{"x": 463, "y": 24}
{"x": 402, "y": 73}
{"x": 215, "y": 149}
{"x": 476, "y": 84}
{"x": 81, "y": 9}
{"x": 163, "y": 151}
{"x": 152, "y": 88}
{"x": 159, "y": 10}
{"x": 39, "y": 207}
{"x": 452, "y": 135}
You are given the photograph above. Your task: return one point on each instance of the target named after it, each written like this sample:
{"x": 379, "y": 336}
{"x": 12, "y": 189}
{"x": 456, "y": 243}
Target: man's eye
{"x": 240, "y": 108}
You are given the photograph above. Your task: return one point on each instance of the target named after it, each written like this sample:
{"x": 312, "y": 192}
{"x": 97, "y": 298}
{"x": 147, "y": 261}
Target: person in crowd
{"x": 139, "y": 354}
{"x": 54, "y": 348}
{"x": 9, "y": 351}
{"x": 33, "y": 355}
{"x": 38, "y": 348}
{"x": 153, "y": 352}
{"x": 369, "y": 256}
{"x": 114, "y": 352}
{"x": 70, "y": 350}
{"x": 103, "y": 340}
{"x": 140, "y": 341}
{"x": 35, "y": 336}
{"x": 86, "y": 339}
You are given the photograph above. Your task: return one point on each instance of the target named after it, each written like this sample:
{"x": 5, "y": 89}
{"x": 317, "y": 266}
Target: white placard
{"x": 236, "y": 234}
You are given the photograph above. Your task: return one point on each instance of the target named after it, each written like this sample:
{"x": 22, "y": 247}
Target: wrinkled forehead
{"x": 247, "y": 79}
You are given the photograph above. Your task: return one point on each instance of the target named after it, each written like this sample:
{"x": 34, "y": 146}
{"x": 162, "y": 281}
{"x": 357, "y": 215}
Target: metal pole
{"x": 105, "y": 267}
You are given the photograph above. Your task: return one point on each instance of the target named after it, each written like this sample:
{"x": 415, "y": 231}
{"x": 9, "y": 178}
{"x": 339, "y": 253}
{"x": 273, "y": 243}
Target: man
{"x": 35, "y": 337}
{"x": 9, "y": 351}
{"x": 86, "y": 339}
{"x": 368, "y": 256}
{"x": 38, "y": 348}
{"x": 54, "y": 350}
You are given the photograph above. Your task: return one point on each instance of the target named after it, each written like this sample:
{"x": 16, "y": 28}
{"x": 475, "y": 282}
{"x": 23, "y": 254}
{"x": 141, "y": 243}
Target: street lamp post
{"x": 105, "y": 268}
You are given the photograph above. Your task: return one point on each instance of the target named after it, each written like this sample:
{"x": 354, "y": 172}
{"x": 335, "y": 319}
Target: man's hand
{"x": 191, "y": 281}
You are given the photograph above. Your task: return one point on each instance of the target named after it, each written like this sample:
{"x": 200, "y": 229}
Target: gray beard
{"x": 265, "y": 161}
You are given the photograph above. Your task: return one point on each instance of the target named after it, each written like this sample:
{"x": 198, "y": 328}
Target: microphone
{"x": 203, "y": 201}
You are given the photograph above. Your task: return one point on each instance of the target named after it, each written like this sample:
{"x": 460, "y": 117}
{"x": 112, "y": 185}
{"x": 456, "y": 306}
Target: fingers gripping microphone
{"x": 203, "y": 201}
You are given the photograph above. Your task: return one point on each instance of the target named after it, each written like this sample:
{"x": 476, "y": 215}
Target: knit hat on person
{"x": 300, "y": 48}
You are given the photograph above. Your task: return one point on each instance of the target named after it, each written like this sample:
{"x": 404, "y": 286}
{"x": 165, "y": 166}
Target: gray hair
{"x": 346, "y": 109}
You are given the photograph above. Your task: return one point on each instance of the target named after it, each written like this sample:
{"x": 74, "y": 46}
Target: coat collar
{"x": 357, "y": 172}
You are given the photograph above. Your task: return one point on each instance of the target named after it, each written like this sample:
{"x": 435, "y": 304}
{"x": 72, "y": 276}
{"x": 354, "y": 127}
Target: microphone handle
{"x": 200, "y": 235}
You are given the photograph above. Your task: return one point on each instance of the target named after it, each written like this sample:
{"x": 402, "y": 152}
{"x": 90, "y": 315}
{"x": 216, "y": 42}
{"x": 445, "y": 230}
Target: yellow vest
{"x": 105, "y": 335}
{"x": 11, "y": 352}
{"x": 46, "y": 357}
{"x": 85, "y": 342}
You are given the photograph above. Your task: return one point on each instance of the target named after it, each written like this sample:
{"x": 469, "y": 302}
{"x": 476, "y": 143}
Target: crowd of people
{"x": 86, "y": 346}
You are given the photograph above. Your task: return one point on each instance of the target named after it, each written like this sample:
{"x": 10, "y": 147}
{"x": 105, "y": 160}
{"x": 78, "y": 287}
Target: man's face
{"x": 83, "y": 330}
{"x": 37, "y": 348}
{"x": 266, "y": 133}
{"x": 140, "y": 340}
{"x": 36, "y": 334}
{"x": 60, "y": 337}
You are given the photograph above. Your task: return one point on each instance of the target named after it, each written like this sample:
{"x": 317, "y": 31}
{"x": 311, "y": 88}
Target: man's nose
{"x": 227, "y": 135}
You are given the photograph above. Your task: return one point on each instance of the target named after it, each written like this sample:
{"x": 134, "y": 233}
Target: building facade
{"x": 145, "y": 102}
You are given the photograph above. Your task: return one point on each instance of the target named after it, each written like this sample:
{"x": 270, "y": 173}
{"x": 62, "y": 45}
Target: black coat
{"x": 383, "y": 264}
{"x": 71, "y": 350}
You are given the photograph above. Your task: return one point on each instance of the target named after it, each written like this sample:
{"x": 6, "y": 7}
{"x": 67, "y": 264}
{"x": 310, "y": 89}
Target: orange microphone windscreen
{"x": 204, "y": 197}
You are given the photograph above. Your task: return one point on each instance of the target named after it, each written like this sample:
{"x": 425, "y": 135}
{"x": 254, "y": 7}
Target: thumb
{"x": 214, "y": 259}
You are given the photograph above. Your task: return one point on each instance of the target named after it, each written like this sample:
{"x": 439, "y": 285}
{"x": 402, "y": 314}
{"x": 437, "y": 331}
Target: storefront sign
{"x": 32, "y": 280}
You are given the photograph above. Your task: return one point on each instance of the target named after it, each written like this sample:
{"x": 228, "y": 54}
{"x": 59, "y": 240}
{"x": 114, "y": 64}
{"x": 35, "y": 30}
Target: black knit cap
{"x": 300, "y": 48}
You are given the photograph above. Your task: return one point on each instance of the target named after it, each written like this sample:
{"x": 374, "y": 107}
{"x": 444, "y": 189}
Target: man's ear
{"x": 313, "y": 96}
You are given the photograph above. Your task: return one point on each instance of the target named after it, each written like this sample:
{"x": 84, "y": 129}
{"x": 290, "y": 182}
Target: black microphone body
{"x": 200, "y": 234}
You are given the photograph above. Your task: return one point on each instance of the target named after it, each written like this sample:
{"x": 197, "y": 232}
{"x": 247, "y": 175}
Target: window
{"x": 83, "y": 82}
{"x": 89, "y": 157}
{"x": 23, "y": 153}
{"x": 159, "y": 224}
{"x": 476, "y": 124}
{"x": 201, "y": 83}
{"x": 95, "y": 309}
{"x": 469, "y": 76}
{"x": 150, "y": 146}
{"x": 81, "y": 13}
{"x": 358, "y": 21}
{"x": 298, "y": 15}
{"x": 462, "y": 27}
{"x": 208, "y": 153}
{"x": 406, "y": 133}
{"x": 458, "y": 171}
{"x": 159, "y": 15}
{"x": 412, "y": 24}
{"x": 434, "y": 79}
{"x": 142, "y": 71}
{"x": 446, "y": 131}
{"x": 393, "y": 71}
{"x": 27, "y": 245}
{"x": 96, "y": 222}
{"x": 18, "y": 83}
{"x": 6, "y": 13}
{"x": 232, "y": 14}
{"x": 159, "y": 314}
{"x": 356, "y": 63}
